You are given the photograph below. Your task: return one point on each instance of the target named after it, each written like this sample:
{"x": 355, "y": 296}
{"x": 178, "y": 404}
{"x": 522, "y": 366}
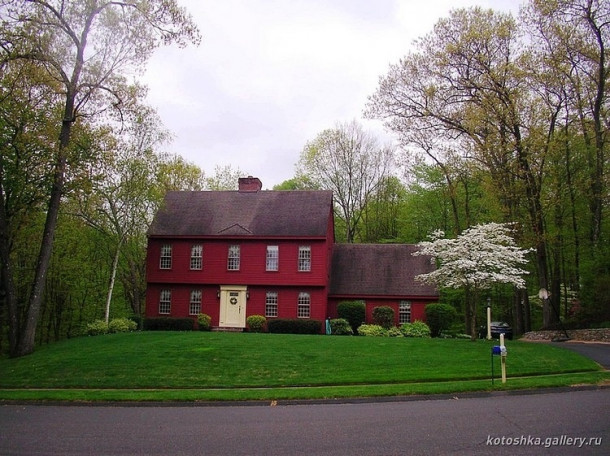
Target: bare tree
{"x": 350, "y": 162}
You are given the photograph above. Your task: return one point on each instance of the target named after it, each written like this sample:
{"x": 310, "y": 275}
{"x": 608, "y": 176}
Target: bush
{"x": 204, "y": 322}
{"x": 256, "y": 323}
{"x": 383, "y": 316}
{"x": 341, "y": 327}
{"x": 372, "y": 330}
{"x": 415, "y": 329}
{"x": 294, "y": 326}
{"x": 440, "y": 317}
{"x": 352, "y": 311}
{"x": 97, "y": 328}
{"x": 168, "y": 324}
{"x": 118, "y": 325}
{"x": 395, "y": 332}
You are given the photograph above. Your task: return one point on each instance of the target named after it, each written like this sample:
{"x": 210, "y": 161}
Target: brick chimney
{"x": 250, "y": 184}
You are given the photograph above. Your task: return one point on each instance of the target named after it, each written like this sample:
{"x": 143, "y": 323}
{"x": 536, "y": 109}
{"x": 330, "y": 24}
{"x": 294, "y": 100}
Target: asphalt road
{"x": 597, "y": 352}
{"x": 500, "y": 424}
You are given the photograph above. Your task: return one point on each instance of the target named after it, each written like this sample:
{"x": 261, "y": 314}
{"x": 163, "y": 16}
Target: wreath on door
{"x": 233, "y": 300}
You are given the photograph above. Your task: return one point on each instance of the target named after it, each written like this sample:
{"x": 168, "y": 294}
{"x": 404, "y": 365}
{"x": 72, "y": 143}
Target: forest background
{"x": 496, "y": 119}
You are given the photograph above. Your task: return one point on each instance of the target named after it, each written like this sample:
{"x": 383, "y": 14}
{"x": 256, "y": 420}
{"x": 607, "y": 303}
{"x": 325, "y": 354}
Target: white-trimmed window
{"x": 273, "y": 257}
{"x": 271, "y": 304}
{"x": 233, "y": 261}
{"x": 165, "y": 302}
{"x": 196, "y": 256}
{"x": 304, "y": 258}
{"x": 166, "y": 257}
{"x": 303, "y": 305}
{"x": 195, "y": 302}
{"x": 404, "y": 312}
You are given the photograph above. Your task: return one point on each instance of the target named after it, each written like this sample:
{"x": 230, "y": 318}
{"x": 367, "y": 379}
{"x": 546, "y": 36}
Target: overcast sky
{"x": 270, "y": 75}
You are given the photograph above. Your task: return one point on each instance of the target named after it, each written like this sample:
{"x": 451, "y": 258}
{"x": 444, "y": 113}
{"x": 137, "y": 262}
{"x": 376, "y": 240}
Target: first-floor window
{"x": 165, "y": 302}
{"x": 404, "y": 312}
{"x": 303, "y": 305}
{"x": 271, "y": 304}
{"x": 195, "y": 304}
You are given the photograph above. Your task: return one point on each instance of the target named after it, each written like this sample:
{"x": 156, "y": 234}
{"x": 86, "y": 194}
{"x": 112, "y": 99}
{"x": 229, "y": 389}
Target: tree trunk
{"x": 26, "y": 340}
{"x": 115, "y": 265}
{"x": 7, "y": 285}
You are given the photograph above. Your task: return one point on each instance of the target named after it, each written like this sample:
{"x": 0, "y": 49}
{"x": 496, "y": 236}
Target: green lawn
{"x": 225, "y": 366}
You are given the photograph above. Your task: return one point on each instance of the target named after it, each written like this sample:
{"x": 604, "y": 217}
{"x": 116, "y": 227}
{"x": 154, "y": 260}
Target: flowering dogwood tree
{"x": 483, "y": 255}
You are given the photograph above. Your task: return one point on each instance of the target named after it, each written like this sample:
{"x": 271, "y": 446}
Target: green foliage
{"x": 440, "y": 317}
{"x": 372, "y": 330}
{"x": 352, "y": 311}
{"x": 117, "y": 325}
{"x": 204, "y": 322}
{"x": 294, "y": 326}
{"x": 383, "y": 316}
{"x": 416, "y": 329}
{"x": 395, "y": 332}
{"x": 168, "y": 324}
{"x": 97, "y": 328}
{"x": 341, "y": 327}
{"x": 256, "y": 323}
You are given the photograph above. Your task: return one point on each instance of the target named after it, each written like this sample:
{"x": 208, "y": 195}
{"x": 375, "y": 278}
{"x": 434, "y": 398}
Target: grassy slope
{"x": 199, "y": 360}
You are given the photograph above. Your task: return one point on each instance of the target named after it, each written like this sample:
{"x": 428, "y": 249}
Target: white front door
{"x": 233, "y": 306}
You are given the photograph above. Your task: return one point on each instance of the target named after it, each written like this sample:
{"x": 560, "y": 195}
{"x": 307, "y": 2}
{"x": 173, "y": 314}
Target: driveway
{"x": 598, "y": 352}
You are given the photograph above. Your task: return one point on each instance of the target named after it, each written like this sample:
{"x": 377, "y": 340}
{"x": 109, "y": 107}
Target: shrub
{"x": 341, "y": 327}
{"x": 372, "y": 330}
{"x": 352, "y": 311}
{"x": 440, "y": 317}
{"x": 415, "y": 329}
{"x": 395, "y": 332}
{"x": 168, "y": 324}
{"x": 97, "y": 328}
{"x": 118, "y": 325}
{"x": 204, "y": 322}
{"x": 294, "y": 326}
{"x": 256, "y": 323}
{"x": 383, "y": 316}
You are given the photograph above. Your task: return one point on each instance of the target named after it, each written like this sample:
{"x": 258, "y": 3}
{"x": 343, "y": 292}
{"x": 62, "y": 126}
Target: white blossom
{"x": 481, "y": 256}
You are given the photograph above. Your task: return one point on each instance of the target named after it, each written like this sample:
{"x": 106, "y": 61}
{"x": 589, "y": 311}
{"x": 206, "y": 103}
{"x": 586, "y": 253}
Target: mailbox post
{"x": 501, "y": 351}
{"x": 503, "y": 357}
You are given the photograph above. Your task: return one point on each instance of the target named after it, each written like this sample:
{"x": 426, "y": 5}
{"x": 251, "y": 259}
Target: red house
{"x": 231, "y": 254}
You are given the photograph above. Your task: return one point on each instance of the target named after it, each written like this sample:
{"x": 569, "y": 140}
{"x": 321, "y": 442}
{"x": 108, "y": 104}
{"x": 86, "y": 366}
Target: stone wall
{"x": 587, "y": 335}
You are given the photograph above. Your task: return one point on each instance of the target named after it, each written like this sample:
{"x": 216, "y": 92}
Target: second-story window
{"x": 273, "y": 256}
{"x": 233, "y": 260}
{"x": 196, "y": 256}
{"x": 166, "y": 257}
{"x": 304, "y": 258}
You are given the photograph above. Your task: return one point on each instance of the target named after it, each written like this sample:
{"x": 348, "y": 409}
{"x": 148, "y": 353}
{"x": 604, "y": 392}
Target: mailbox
{"x": 496, "y": 350}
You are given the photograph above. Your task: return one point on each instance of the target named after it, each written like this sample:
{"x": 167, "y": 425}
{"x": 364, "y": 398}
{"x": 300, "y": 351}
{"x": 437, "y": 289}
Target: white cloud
{"x": 270, "y": 75}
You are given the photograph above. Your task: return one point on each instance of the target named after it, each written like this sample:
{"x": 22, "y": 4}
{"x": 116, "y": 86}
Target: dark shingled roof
{"x": 379, "y": 269}
{"x": 233, "y": 213}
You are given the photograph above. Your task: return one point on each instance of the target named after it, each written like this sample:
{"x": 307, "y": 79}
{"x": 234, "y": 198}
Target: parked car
{"x": 497, "y": 328}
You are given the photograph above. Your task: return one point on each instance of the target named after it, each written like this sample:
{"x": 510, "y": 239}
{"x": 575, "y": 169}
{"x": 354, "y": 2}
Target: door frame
{"x": 227, "y": 312}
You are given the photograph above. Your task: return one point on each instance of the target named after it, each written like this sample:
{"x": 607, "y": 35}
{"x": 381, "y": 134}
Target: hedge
{"x": 352, "y": 311}
{"x": 168, "y": 324}
{"x": 294, "y": 326}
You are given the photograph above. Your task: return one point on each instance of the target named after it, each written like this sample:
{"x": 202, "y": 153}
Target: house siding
{"x": 338, "y": 272}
